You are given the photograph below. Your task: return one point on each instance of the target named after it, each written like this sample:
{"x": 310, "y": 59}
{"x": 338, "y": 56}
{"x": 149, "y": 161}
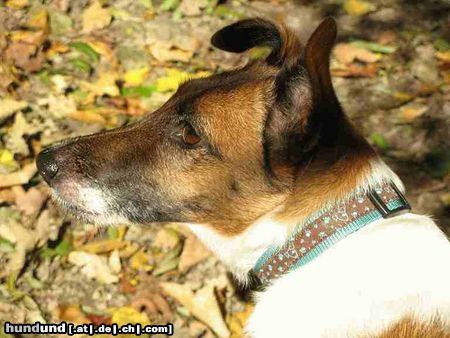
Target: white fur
{"x": 389, "y": 269}
{"x": 369, "y": 280}
{"x": 241, "y": 252}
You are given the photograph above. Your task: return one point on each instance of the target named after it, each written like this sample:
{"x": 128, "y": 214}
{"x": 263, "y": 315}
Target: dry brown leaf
{"x": 18, "y": 177}
{"x": 166, "y": 51}
{"x": 25, "y": 56}
{"x": 166, "y": 239}
{"x": 87, "y": 117}
{"x": 347, "y": 53}
{"x": 369, "y": 70}
{"x": 412, "y": 112}
{"x": 193, "y": 253}
{"x": 29, "y": 202}
{"x": 103, "y": 246}
{"x": 35, "y": 38}
{"x": 203, "y": 305}
{"x": 72, "y": 314}
{"x": 95, "y": 17}
{"x": 7, "y": 196}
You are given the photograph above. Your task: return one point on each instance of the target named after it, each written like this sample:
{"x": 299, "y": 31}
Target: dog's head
{"x": 222, "y": 151}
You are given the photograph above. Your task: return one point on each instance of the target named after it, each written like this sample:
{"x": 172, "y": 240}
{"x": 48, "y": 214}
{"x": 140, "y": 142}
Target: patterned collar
{"x": 327, "y": 227}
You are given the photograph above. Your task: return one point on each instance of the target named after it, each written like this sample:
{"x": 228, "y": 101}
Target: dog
{"x": 266, "y": 169}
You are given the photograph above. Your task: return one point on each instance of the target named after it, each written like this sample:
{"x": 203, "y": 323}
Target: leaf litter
{"x": 70, "y": 69}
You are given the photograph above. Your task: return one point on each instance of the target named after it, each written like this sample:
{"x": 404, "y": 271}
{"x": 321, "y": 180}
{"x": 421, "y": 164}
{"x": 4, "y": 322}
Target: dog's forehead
{"x": 230, "y": 80}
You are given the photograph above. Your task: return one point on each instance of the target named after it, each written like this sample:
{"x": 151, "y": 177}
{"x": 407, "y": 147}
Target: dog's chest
{"x": 391, "y": 269}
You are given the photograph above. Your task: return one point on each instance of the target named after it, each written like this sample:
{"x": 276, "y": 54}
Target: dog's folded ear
{"x": 249, "y": 33}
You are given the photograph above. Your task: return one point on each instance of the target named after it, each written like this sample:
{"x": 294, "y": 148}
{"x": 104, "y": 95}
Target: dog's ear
{"x": 245, "y": 34}
{"x": 317, "y": 62}
{"x": 306, "y": 112}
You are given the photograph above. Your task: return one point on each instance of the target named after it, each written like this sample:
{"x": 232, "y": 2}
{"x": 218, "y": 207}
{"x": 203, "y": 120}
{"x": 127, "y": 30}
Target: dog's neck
{"x": 241, "y": 252}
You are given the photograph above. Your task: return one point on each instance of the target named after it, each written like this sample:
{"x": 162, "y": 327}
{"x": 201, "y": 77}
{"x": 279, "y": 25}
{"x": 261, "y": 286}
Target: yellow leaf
{"x": 140, "y": 261}
{"x": 126, "y": 314}
{"x": 238, "y": 320}
{"x": 17, "y": 4}
{"x": 443, "y": 56}
{"x": 7, "y": 158}
{"x": 95, "y": 17}
{"x": 135, "y": 77}
{"x": 358, "y": 7}
{"x": 39, "y": 20}
{"x": 174, "y": 77}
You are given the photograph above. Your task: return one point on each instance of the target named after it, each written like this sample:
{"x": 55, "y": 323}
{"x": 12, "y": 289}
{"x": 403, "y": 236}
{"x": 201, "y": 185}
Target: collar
{"x": 329, "y": 226}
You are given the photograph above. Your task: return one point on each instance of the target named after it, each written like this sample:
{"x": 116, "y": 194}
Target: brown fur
{"x": 272, "y": 133}
{"x": 411, "y": 328}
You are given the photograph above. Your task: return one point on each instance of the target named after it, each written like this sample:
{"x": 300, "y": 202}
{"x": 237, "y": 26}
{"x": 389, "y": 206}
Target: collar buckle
{"x": 383, "y": 208}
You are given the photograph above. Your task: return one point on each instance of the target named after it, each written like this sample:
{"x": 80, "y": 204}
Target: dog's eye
{"x": 189, "y": 135}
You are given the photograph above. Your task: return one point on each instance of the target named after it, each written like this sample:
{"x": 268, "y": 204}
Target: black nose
{"x": 47, "y": 165}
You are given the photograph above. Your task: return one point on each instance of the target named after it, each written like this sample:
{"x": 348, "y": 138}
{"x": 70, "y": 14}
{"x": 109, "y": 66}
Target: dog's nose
{"x": 47, "y": 165}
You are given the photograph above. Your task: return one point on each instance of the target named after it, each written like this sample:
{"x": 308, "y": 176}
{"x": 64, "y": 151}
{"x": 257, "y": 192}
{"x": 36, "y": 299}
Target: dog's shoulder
{"x": 365, "y": 284}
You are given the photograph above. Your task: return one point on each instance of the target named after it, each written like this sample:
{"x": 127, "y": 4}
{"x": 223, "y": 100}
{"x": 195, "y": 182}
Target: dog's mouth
{"x": 85, "y": 203}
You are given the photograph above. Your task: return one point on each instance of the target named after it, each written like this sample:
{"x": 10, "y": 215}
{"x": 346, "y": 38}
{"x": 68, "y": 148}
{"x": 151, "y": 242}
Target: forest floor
{"x": 70, "y": 68}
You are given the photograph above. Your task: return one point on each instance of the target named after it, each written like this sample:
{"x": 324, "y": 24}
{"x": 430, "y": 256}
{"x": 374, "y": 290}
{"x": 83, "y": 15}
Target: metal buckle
{"x": 382, "y": 207}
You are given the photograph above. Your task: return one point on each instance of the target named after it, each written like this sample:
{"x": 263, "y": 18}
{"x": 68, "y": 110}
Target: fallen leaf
{"x": 114, "y": 262}
{"x": 9, "y": 106}
{"x": 17, "y": 4}
{"x": 39, "y": 20}
{"x": 95, "y": 17}
{"x": 86, "y": 49}
{"x": 15, "y": 139}
{"x": 166, "y": 239}
{"x": 29, "y": 202}
{"x": 174, "y": 77}
{"x": 25, "y": 56}
{"x": 87, "y": 117}
{"x": 35, "y": 38}
{"x": 358, "y": 7}
{"x": 127, "y": 314}
{"x": 93, "y": 266}
{"x": 19, "y": 177}
{"x": 166, "y": 51}
{"x": 72, "y": 314}
{"x": 203, "y": 305}
{"x": 192, "y": 7}
{"x": 193, "y": 253}
{"x": 7, "y": 196}
{"x": 140, "y": 260}
{"x": 411, "y": 112}
{"x": 443, "y": 56}
{"x": 7, "y": 162}
{"x": 135, "y": 77}
{"x": 374, "y": 47}
{"x": 60, "y": 23}
{"x": 238, "y": 320}
{"x": 353, "y": 70}
{"x": 103, "y": 246}
{"x": 346, "y": 53}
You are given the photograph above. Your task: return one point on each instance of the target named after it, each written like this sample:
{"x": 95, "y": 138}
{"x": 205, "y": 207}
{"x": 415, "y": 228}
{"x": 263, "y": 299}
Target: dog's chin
{"x": 86, "y": 212}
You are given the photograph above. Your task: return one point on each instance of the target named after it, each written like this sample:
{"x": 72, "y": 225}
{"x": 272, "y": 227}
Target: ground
{"x": 69, "y": 68}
